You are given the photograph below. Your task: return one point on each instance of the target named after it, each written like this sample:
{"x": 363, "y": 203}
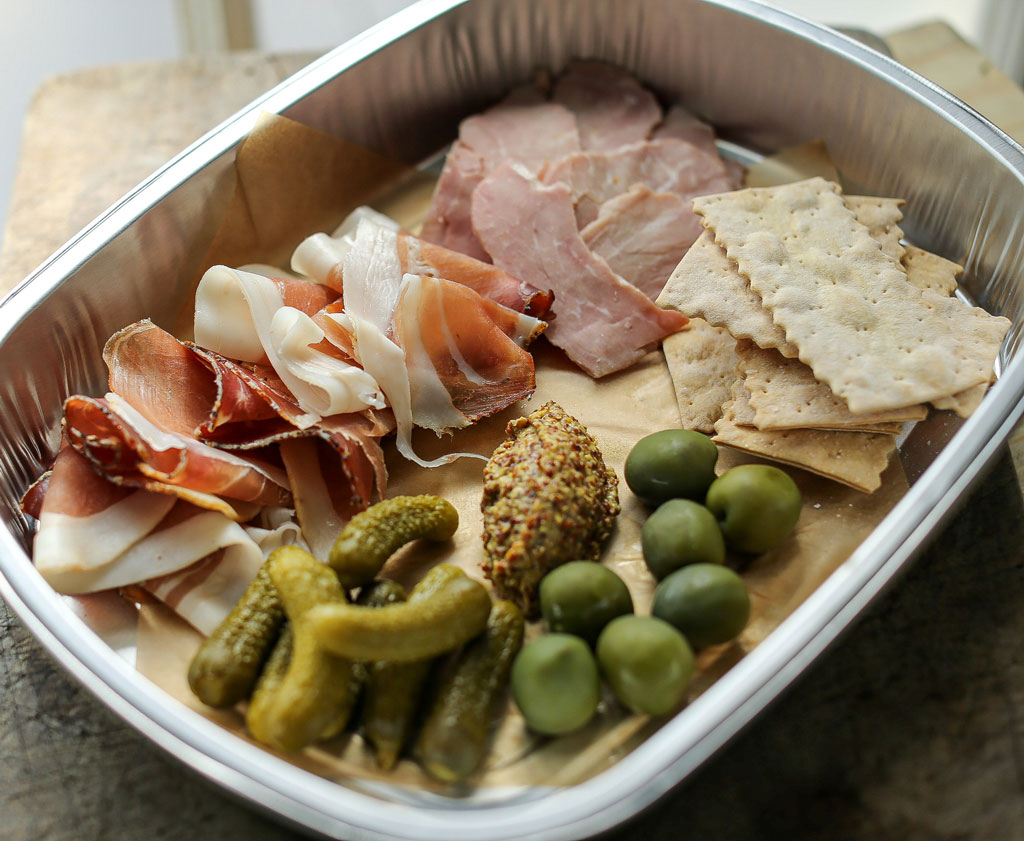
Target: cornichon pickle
{"x": 444, "y": 610}
{"x": 373, "y": 535}
{"x": 393, "y": 690}
{"x": 227, "y": 665}
{"x": 314, "y": 696}
{"x": 454, "y": 738}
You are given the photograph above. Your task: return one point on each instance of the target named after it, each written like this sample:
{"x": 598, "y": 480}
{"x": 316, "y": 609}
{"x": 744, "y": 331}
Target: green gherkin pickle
{"x": 227, "y": 665}
{"x": 374, "y": 535}
{"x": 393, "y": 690}
{"x": 455, "y": 737}
{"x": 446, "y": 609}
{"x": 315, "y": 695}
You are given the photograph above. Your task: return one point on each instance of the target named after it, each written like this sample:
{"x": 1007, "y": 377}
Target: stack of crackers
{"x": 816, "y": 334}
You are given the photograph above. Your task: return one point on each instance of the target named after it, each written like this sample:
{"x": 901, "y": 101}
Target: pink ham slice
{"x": 666, "y": 166}
{"x": 681, "y": 124}
{"x": 612, "y": 108}
{"x": 643, "y": 235}
{"x": 603, "y": 323}
{"x": 524, "y": 129}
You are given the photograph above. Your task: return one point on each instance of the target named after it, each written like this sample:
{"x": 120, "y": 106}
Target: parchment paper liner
{"x": 618, "y": 410}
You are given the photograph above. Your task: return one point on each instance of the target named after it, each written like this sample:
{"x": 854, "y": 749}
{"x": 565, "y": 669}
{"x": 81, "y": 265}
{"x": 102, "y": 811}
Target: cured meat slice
{"x": 373, "y": 289}
{"x": 205, "y": 592}
{"x": 521, "y": 129}
{"x": 612, "y": 108}
{"x": 469, "y": 347}
{"x": 603, "y": 323}
{"x": 681, "y": 124}
{"x": 666, "y": 166}
{"x": 126, "y": 448}
{"x": 95, "y": 535}
{"x": 321, "y": 257}
{"x": 266, "y": 329}
{"x": 643, "y": 235}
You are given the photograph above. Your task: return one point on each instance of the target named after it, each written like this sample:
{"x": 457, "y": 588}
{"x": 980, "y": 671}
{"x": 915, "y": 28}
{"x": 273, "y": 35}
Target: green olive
{"x": 555, "y": 683}
{"x": 646, "y": 662}
{"x": 707, "y": 603}
{"x": 673, "y": 463}
{"x": 681, "y": 532}
{"x": 757, "y": 506}
{"x": 581, "y": 597}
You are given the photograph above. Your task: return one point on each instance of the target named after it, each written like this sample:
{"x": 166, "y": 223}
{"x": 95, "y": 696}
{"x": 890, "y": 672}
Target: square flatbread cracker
{"x": 881, "y": 217}
{"x": 785, "y": 395}
{"x": 878, "y": 341}
{"x": 930, "y": 271}
{"x": 707, "y": 285}
{"x": 702, "y": 363}
{"x": 856, "y": 459}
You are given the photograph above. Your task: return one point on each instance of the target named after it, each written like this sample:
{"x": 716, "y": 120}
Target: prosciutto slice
{"x": 463, "y": 347}
{"x": 643, "y": 235}
{"x": 321, "y": 257}
{"x": 612, "y": 108}
{"x": 666, "y": 166}
{"x": 603, "y": 323}
{"x": 374, "y": 291}
{"x": 94, "y": 535}
{"x": 128, "y": 449}
{"x": 267, "y": 329}
{"x": 525, "y": 129}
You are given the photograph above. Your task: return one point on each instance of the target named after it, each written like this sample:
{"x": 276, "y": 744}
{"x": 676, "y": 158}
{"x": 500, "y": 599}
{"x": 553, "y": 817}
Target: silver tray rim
{"x": 678, "y": 748}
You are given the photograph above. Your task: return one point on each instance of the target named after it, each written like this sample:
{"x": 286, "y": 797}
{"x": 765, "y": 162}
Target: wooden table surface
{"x": 911, "y": 728}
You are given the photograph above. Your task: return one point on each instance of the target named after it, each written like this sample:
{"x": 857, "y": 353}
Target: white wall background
{"x": 39, "y": 38}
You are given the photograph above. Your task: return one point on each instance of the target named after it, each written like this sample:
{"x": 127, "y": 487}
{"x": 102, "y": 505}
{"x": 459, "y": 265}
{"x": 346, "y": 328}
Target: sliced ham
{"x": 321, "y": 257}
{"x": 681, "y": 124}
{"x": 95, "y": 535}
{"x": 524, "y": 129}
{"x": 603, "y": 323}
{"x": 666, "y": 166}
{"x": 643, "y": 235}
{"x": 612, "y": 108}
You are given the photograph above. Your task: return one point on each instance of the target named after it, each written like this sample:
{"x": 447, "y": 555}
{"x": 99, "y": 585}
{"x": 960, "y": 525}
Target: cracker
{"x": 856, "y": 459}
{"x": 706, "y": 285}
{"x": 702, "y": 363}
{"x": 785, "y": 395}
{"x": 964, "y": 402}
{"x": 881, "y": 217}
{"x": 930, "y": 271}
{"x": 878, "y": 341}
{"x": 738, "y": 408}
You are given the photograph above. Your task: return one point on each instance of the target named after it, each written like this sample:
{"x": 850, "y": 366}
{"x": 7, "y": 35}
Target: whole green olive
{"x": 680, "y": 532}
{"x": 646, "y": 662}
{"x": 673, "y": 463}
{"x": 707, "y": 603}
{"x": 581, "y": 597}
{"x": 555, "y": 683}
{"x": 757, "y": 506}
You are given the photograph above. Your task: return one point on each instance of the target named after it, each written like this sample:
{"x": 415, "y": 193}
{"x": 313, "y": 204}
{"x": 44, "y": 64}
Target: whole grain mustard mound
{"x": 548, "y": 499}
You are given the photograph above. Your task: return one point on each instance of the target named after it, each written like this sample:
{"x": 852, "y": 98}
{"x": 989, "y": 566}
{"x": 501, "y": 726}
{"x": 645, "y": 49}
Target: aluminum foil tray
{"x": 765, "y": 79}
